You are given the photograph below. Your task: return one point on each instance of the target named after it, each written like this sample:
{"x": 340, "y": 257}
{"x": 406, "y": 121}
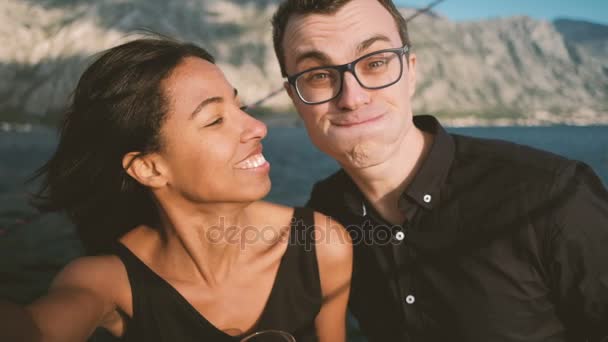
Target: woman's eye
{"x": 244, "y": 108}
{"x": 216, "y": 122}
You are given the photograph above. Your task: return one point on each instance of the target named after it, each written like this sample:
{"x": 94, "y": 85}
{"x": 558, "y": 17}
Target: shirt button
{"x": 410, "y": 299}
{"x": 427, "y": 198}
{"x": 400, "y": 236}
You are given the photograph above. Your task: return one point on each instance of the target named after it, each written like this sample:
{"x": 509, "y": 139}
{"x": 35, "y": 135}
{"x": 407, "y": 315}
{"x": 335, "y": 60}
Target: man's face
{"x": 361, "y": 127}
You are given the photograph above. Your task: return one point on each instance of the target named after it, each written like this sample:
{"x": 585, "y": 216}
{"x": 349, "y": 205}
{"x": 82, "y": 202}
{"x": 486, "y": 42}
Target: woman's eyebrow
{"x": 205, "y": 102}
{"x": 208, "y": 101}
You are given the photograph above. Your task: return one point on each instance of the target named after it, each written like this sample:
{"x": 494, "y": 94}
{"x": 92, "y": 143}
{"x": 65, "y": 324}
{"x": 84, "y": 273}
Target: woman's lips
{"x": 254, "y": 161}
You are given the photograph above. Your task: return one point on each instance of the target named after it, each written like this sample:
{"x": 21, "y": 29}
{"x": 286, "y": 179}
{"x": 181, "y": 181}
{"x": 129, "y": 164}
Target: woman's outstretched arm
{"x": 78, "y": 301}
{"x": 16, "y": 324}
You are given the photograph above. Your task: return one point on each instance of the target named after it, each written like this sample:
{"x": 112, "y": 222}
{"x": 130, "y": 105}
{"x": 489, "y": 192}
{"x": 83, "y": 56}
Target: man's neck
{"x": 383, "y": 184}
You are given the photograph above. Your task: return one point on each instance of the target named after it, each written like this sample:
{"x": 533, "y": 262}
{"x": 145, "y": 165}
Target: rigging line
{"x": 424, "y": 10}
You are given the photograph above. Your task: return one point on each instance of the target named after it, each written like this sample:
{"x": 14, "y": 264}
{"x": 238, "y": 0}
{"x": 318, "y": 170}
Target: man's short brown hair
{"x": 302, "y": 7}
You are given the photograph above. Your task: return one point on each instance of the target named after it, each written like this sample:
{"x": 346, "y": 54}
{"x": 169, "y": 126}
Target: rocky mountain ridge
{"x": 514, "y": 70}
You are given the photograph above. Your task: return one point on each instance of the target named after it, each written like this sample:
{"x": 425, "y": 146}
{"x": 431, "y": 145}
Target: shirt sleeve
{"x": 579, "y": 253}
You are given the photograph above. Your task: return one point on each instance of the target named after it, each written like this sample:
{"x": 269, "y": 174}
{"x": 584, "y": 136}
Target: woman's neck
{"x": 204, "y": 242}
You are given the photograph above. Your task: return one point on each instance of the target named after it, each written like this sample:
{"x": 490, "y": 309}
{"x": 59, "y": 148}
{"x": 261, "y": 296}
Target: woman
{"x": 162, "y": 172}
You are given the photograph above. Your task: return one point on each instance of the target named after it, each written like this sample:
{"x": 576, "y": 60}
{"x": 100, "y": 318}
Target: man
{"x": 456, "y": 238}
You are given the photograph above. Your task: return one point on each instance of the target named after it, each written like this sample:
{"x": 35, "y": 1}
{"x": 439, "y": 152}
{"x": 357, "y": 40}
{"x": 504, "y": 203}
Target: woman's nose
{"x": 253, "y": 129}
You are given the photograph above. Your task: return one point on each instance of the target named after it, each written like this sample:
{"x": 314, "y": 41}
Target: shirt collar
{"x": 424, "y": 190}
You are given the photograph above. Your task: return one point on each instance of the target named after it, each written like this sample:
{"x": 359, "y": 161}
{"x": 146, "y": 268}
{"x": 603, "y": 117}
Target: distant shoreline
{"x": 289, "y": 120}
{"x": 279, "y": 120}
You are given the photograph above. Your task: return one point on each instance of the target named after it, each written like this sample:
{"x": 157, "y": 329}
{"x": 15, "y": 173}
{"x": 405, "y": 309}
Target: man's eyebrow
{"x": 323, "y": 58}
{"x": 208, "y": 101}
{"x": 313, "y": 54}
{"x": 370, "y": 41}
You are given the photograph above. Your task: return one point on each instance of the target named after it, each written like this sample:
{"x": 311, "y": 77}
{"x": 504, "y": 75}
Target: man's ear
{"x": 411, "y": 73}
{"x": 144, "y": 168}
{"x": 289, "y": 90}
{"x": 294, "y": 97}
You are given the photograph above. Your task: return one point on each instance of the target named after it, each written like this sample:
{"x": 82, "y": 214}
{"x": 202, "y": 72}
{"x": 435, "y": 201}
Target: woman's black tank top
{"x": 160, "y": 313}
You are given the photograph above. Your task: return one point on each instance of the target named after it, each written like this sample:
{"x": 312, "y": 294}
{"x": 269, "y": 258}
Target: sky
{"x": 590, "y": 10}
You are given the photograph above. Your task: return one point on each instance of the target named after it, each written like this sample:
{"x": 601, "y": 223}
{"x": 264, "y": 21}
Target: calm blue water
{"x": 33, "y": 248}
{"x": 296, "y": 163}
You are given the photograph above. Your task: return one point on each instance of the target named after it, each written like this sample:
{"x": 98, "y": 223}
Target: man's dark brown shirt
{"x": 502, "y": 242}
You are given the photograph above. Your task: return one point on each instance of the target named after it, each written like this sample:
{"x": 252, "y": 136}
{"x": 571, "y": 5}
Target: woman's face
{"x": 211, "y": 150}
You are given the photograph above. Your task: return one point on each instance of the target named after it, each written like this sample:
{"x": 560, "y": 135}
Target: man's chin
{"x": 363, "y": 155}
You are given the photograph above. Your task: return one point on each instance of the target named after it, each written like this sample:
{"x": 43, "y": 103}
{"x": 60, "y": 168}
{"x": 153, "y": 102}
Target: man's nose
{"x": 353, "y": 94}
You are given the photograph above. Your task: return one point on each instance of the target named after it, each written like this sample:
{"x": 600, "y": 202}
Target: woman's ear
{"x": 144, "y": 168}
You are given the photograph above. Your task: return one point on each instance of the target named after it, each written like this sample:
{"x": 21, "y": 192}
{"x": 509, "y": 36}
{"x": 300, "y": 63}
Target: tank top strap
{"x": 297, "y": 299}
{"x": 303, "y": 229}
{"x": 136, "y": 269}
{"x": 140, "y": 278}
{"x": 302, "y": 238}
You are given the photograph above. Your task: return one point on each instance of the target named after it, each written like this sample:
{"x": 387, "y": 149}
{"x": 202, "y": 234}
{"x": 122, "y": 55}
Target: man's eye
{"x": 376, "y": 64}
{"x": 318, "y": 76}
{"x": 215, "y": 122}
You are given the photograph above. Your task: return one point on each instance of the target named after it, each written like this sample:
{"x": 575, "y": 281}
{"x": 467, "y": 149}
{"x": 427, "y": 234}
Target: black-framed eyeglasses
{"x": 375, "y": 70}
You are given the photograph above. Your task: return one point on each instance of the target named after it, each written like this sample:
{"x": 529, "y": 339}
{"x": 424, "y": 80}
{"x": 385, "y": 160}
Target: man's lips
{"x": 355, "y": 122}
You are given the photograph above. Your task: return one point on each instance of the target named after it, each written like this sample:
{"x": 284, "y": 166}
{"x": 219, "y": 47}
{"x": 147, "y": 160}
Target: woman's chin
{"x": 257, "y": 191}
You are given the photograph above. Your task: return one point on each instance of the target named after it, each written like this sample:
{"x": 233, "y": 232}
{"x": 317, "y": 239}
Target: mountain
{"x": 589, "y": 36}
{"x": 506, "y": 70}
{"x": 45, "y": 45}
{"x": 518, "y": 68}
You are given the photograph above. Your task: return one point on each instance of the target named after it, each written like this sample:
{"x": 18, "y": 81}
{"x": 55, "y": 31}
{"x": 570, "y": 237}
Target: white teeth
{"x": 252, "y": 162}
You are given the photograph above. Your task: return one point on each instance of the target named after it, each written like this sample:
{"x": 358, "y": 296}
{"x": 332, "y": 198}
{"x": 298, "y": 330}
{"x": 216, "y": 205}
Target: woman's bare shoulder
{"x": 104, "y": 275}
{"x": 91, "y": 272}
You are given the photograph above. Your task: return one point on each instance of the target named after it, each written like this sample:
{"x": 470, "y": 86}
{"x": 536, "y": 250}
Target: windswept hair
{"x": 117, "y": 107}
{"x": 290, "y": 8}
